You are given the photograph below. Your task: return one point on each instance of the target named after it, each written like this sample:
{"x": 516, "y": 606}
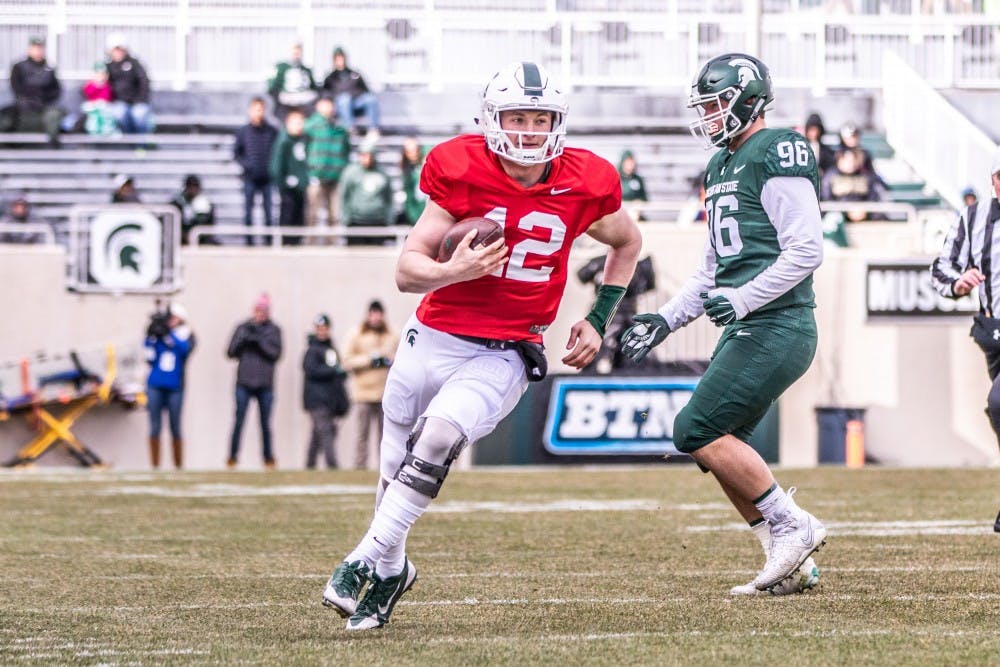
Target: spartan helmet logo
{"x": 411, "y": 336}
{"x": 126, "y": 249}
{"x": 746, "y": 70}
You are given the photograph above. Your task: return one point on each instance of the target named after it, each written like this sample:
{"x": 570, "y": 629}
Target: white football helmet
{"x": 523, "y": 85}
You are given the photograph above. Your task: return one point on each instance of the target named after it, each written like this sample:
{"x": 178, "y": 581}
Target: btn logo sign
{"x": 125, "y": 248}
{"x": 619, "y": 416}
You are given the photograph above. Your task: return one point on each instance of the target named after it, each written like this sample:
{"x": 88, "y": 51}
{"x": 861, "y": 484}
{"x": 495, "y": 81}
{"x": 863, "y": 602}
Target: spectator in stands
{"x": 290, "y": 171}
{"x": 125, "y": 192}
{"x": 19, "y": 213}
{"x": 36, "y": 91}
{"x": 969, "y": 196}
{"x": 169, "y": 344}
{"x": 351, "y": 94}
{"x": 129, "y": 89}
{"x": 366, "y": 196}
{"x": 693, "y": 209}
{"x": 850, "y": 139}
{"x": 252, "y": 150}
{"x": 95, "y": 115}
{"x": 194, "y": 207}
{"x": 329, "y": 153}
{"x": 370, "y": 351}
{"x": 292, "y": 86}
{"x": 324, "y": 395}
{"x": 633, "y": 186}
{"x": 410, "y": 165}
{"x": 813, "y": 132}
{"x": 256, "y": 343}
{"x": 847, "y": 181}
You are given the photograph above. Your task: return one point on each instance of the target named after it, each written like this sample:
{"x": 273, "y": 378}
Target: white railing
{"x": 27, "y": 232}
{"x": 934, "y": 137}
{"x": 276, "y": 235}
{"x": 436, "y": 44}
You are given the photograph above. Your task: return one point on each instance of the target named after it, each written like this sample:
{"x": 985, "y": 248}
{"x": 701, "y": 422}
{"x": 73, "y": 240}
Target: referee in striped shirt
{"x": 967, "y": 260}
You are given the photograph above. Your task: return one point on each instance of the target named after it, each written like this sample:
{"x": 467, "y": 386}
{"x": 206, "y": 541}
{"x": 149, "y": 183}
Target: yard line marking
{"x": 566, "y": 505}
{"x": 879, "y": 528}
{"x": 241, "y": 490}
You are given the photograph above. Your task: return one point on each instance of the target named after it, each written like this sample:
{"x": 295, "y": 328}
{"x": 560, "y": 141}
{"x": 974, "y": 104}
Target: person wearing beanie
{"x": 169, "y": 344}
{"x": 324, "y": 395}
{"x": 633, "y": 186}
{"x": 37, "y": 90}
{"x": 256, "y": 344}
{"x": 351, "y": 94}
{"x": 813, "y": 132}
{"x": 368, "y": 355}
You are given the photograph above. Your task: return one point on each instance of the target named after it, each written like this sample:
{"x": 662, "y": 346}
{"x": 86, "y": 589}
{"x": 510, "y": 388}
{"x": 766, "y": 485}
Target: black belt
{"x": 488, "y": 343}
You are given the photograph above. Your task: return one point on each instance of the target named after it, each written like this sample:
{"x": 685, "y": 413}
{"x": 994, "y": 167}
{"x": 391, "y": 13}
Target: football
{"x": 488, "y": 232}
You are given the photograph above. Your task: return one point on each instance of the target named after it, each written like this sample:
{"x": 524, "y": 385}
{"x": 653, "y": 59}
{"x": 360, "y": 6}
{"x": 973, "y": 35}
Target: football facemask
{"x": 738, "y": 87}
{"x": 525, "y": 86}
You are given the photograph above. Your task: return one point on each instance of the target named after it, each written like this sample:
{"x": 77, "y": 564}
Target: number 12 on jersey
{"x": 515, "y": 268}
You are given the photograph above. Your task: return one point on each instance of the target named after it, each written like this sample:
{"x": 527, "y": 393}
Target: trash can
{"x": 841, "y": 435}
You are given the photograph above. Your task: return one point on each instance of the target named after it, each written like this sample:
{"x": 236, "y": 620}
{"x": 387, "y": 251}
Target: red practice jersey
{"x": 540, "y": 223}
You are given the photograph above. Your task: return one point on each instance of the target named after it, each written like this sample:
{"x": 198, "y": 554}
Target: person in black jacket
{"x": 252, "y": 151}
{"x": 323, "y": 394}
{"x": 350, "y": 93}
{"x": 257, "y": 345}
{"x": 36, "y": 91}
{"x": 129, "y": 89}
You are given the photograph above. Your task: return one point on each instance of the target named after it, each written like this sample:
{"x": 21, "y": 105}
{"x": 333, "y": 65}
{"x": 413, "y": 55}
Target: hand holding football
{"x": 488, "y": 231}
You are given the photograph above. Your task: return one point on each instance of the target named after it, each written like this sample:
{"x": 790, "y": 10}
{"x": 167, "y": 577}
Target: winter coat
{"x": 368, "y": 355}
{"x": 365, "y": 196}
{"x": 633, "y": 186}
{"x": 323, "y": 386}
{"x": 258, "y": 348}
{"x": 167, "y": 356}
{"x": 416, "y": 199}
{"x": 35, "y": 85}
{"x": 329, "y": 148}
{"x": 252, "y": 151}
{"x": 129, "y": 82}
{"x": 292, "y": 85}
{"x": 289, "y": 162}
{"x": 345, "y": 81}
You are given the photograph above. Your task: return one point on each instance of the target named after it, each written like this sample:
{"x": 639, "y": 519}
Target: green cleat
{"x": 375, "y": 607}
{"x": 344, "y": 587}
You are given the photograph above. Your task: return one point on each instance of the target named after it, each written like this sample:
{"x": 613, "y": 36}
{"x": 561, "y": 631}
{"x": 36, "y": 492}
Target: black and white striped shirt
{"x": 976, "y": 248}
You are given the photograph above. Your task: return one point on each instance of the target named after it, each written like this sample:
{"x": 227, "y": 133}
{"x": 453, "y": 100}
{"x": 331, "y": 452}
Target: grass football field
{"x": 570, "y": 566}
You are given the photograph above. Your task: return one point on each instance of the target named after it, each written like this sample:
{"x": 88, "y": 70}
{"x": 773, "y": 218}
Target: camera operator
{"x": 169, "y": 343}
{"x": 368, "y": 355}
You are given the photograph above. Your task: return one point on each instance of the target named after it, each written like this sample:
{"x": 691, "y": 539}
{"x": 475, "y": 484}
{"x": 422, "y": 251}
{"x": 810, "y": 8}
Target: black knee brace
{"x": 436, "y": 471}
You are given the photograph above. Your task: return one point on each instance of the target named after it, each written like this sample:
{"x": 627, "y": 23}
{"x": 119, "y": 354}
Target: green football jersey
{"x": 744, "y": 238}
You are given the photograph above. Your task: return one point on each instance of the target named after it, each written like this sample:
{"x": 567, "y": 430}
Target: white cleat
{"x": 804, "y": 579}
{"x": 793, "y": 540}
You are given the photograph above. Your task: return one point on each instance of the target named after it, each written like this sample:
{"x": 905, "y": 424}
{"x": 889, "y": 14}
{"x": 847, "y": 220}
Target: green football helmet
{"x": 740, "y": 87}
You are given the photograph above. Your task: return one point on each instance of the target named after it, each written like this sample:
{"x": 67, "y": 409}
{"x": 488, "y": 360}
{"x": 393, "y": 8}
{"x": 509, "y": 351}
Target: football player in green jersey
{"x": 755, "y": 279}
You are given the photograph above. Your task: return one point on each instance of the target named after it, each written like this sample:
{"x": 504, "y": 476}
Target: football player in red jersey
{"x": 474, "y": 343}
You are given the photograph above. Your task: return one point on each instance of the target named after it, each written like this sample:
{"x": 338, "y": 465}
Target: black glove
{"x": 381, "y": 362}
{"x": 159, "y": 326}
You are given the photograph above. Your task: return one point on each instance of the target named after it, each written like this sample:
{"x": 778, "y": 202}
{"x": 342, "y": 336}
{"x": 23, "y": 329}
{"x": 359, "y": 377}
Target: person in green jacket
{"x": 366, "y": 197}
{"x": 633, "y": 187}
{"x": 329, "y": 154}
{"x": 410, "y": 165}
{"x": 290, "y": 172}
{"x": 292, "y": 85}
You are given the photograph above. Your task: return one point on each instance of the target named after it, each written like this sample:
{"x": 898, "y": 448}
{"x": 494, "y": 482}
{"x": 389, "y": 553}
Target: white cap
{"x": 996, "y": 162}
{"x": 178, "y": 310}
{"x": 116, "y": 39}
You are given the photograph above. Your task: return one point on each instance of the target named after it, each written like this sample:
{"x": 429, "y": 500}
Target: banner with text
{"x": 904, "y": 290}
{"x": 624, "y": 415}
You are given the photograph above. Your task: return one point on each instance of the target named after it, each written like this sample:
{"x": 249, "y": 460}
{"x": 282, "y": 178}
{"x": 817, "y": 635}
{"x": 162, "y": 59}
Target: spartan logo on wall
{"x": 125, "y": 249}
